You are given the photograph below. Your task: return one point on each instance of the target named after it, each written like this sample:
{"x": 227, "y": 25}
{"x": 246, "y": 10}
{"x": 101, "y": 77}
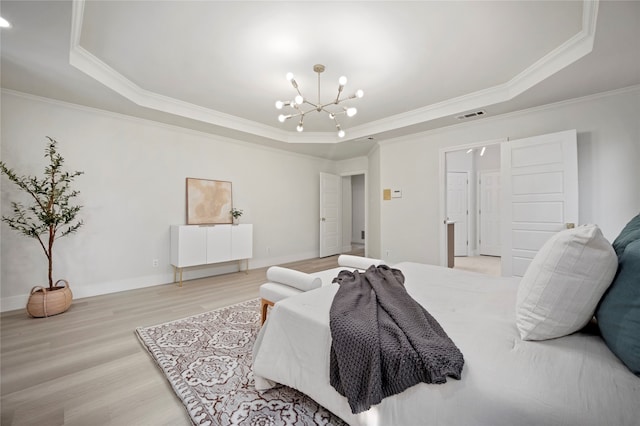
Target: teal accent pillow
{"x": 630, "y": 233}
{"x": 619, "y": 311}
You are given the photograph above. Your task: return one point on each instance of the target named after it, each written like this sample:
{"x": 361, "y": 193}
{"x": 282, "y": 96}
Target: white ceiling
{"x": 219, "y": 66}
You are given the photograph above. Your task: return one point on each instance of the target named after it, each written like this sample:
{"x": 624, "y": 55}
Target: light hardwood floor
{"x": 489, "y": 265}
{"x": 86, "y": 366}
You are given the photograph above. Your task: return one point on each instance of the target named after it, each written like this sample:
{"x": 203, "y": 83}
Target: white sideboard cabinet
{"x": 194, "y": 245}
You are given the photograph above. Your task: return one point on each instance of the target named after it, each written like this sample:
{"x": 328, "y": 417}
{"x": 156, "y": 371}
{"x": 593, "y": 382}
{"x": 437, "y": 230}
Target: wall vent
{"x": 479, "y": 113}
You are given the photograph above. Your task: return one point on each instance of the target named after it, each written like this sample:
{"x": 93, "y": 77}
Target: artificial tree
{"x": 51, "y": 215}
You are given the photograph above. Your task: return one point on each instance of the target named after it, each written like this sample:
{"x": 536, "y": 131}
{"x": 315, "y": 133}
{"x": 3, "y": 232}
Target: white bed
{"x": 573, "y": 380}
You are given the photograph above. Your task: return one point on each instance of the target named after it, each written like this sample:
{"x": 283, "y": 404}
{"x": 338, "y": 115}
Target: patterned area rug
{"x": 207, "y": 359}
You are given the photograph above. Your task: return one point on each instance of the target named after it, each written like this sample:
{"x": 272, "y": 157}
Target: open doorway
{"x": 354, "y": 214}
{"x": 343, "y": 214}
{"x": 472, "y": 202}
{"x": 536, "y": 197}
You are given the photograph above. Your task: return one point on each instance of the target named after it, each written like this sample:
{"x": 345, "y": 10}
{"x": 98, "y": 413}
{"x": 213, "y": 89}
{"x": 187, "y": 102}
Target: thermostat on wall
{"x": 396, "y": 193}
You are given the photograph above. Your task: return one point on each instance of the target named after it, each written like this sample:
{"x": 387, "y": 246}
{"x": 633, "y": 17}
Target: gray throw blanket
{"x": 383, "y": 341}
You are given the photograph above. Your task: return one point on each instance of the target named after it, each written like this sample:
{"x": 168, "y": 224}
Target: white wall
{"x": 134, "y": 188}
{"x": 490, "y": 160}
{"x": 608, "y": 157}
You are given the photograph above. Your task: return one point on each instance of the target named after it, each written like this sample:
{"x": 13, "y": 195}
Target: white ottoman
{"x": 284, "y": 282}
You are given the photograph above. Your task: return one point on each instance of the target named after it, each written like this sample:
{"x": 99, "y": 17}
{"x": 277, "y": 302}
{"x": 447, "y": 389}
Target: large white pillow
{"x": 564, "y": 283}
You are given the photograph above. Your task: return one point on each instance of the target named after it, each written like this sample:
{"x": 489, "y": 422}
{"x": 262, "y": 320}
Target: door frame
{"x": 442, "y": 176}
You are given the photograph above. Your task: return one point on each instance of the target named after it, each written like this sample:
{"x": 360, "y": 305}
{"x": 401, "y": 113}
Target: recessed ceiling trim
{"x": 565, "y": 54}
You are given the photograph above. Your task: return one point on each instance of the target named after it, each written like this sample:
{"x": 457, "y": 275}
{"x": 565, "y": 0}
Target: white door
{"x": 540, "y": 193}
{"x": 489, "y": 213}
{"x": 458, "y": 209}
{"x": 330, "y": 214}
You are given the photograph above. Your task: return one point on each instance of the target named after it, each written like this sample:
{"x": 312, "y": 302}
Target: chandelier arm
{"x": 301, "y": 111}
{"x": 322, "y": 107}
{"x": 299, "y": 114}
{"x": 331, "y": 112}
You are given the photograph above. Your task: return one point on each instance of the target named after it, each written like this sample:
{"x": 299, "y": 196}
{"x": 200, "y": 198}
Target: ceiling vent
{"x": 479, "y": 113}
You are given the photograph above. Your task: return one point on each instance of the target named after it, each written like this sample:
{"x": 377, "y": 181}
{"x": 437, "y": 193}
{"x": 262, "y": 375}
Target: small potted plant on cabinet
{"x": 235, "y": 214}
{"x": 49, "y": 217}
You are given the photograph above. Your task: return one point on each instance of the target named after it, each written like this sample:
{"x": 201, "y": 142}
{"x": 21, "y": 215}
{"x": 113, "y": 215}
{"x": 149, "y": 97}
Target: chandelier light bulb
{"x": 281, "y": 118}
{"x": 289, "y": 76}
{"x": 341, "y": 133}
{"x": 359, "y": 93}
{"x": 299, "y": 100}
{"x": 351, "y": 111}
{"x": 279, "y": 104}
{"x": 299, "y": 128}
{"x": 332, "y": 116}
{"x": 342, "y": 80}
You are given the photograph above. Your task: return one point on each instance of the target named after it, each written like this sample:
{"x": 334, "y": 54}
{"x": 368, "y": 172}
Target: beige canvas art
{"x": 208, "y": 201}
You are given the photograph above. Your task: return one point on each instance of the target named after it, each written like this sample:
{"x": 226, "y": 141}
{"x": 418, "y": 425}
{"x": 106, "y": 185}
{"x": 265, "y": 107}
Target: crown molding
{"x": 519, "y": 113}
{"x": 155, "y": 123}
{"x": 568, "y": 52}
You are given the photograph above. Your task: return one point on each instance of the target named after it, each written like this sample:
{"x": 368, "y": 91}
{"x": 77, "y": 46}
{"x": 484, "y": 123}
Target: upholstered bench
{"x": 284, "y": 282}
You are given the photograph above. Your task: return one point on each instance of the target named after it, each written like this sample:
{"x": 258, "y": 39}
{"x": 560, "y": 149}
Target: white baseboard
{"x": 14, "y": 302}
{"x": 96, "y": 289}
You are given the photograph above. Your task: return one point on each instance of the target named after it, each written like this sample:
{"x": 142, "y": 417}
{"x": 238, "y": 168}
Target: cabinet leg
{"x": 175, "y": 273}
{"x": 246, "y": 270}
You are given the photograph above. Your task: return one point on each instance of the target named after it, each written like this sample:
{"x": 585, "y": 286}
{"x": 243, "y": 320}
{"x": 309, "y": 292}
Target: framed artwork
{"x": 208, "y": 202}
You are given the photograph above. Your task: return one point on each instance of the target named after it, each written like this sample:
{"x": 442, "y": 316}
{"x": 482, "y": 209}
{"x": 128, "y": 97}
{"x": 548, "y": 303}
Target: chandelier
{"x": 333, "y": 108}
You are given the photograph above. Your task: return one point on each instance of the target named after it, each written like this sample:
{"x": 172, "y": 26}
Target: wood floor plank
{"x": 86, "y": 366}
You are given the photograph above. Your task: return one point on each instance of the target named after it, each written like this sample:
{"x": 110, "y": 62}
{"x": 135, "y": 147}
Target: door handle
{"x": 323, "y": 219}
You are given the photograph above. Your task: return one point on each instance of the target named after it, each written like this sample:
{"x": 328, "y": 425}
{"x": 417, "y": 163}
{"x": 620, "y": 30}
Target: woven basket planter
{"x": 45, "y": 303}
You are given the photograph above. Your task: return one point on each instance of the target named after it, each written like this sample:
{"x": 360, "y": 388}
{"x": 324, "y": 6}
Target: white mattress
{"x": 574, "y": 380}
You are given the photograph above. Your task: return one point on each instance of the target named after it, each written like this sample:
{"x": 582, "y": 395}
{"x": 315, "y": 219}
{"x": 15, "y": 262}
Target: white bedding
{"x": 573, "y": 380}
